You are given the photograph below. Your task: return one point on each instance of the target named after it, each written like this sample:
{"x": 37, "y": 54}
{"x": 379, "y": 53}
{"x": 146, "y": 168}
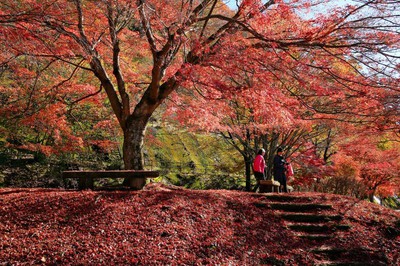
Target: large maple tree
{"x": 140, "y": 52}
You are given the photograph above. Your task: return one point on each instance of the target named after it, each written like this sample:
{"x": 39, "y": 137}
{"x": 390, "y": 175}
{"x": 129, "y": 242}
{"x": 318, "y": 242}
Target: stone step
{"x": 330, "y": 253}
{"x": 356, "y": 256}
{"x": 285, "y": 198}
{"x": 351, "y": 263}
{"x": 310, "y": 218}
{"x": 318, "y": 229}
{"x": 315, "y": 237}
{"x": 300, "y": 207}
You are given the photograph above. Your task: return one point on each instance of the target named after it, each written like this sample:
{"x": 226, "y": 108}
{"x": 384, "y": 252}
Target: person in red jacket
{"x": 259, "y": 165}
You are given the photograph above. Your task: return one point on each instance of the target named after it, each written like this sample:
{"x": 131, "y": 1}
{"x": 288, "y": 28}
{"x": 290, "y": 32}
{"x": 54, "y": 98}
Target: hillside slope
{"x": 170, "y": 226}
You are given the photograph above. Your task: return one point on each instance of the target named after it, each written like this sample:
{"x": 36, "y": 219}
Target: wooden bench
{"x": 269, "y": 186}
{"x": 86, "y": 176}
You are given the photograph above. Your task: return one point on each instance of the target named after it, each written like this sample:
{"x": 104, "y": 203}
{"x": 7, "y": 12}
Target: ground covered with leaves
{"x": 163, "y": 225}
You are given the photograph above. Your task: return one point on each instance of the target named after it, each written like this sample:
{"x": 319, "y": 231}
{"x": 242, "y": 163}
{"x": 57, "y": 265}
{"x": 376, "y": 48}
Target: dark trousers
{"x": 259, "y": 176}
{"x": 281, "y": 178}
{"x": 283, "y": 183}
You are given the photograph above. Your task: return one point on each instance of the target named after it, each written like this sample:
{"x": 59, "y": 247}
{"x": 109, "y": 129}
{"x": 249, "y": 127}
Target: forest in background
{"x": 184, "y": 158}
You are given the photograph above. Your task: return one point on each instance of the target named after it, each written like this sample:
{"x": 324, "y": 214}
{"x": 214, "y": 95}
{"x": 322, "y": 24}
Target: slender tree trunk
{"x": 247, "y": 161}
{"x": 372, "y": 194}
{"x": 273, "y": 144}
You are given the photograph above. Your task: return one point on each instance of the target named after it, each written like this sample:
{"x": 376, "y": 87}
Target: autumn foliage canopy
{"x": 271, "y": 65}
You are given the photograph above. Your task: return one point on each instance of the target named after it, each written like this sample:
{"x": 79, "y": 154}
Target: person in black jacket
{"x": 279, "y": 170}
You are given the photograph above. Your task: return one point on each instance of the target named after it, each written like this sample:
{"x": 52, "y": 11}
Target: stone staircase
{"x": 314, "y": 223}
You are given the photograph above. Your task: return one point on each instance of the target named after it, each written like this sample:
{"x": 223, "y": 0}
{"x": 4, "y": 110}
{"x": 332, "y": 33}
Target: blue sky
{"x": 231, "y": 3}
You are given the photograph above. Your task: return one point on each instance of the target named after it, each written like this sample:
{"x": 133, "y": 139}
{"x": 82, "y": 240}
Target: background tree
{"x": 377, "y": 159}
{"x": 261, "y": 116}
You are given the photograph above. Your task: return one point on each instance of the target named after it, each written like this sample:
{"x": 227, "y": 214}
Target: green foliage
{"x": 392, "y": 202}
{"x": 21, "y": 168}
{"x": 185, "y": 159}
{"x": 197, "y": 161}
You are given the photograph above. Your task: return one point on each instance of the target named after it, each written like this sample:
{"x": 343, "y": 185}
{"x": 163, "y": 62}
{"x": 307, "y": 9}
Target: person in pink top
{"x": 259, "y": 165}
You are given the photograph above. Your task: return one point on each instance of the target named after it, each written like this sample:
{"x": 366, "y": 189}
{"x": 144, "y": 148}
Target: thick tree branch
{"x": 116, "y": 65}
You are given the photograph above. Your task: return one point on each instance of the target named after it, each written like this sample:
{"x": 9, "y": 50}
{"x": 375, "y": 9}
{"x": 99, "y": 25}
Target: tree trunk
{"x": 132, "y": 150}
{"x": 248, "y": 172}
{"x": 372, "y": 194}
{"x": 135, "y": 129}
{"x": 272, "y": 145}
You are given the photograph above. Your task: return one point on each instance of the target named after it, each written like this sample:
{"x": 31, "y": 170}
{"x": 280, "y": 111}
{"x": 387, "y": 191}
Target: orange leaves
{"x": 363, "y": 156}
{"x": 53, "y": 130}
{"x": 346, "y": 166}
{"x": 45, "y": 118}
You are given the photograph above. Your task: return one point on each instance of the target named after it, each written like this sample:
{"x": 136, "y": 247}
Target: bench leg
{"x": 85, "y": 183}
{"x": 136, "y": 183}
{"x": 266, "y": 188}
